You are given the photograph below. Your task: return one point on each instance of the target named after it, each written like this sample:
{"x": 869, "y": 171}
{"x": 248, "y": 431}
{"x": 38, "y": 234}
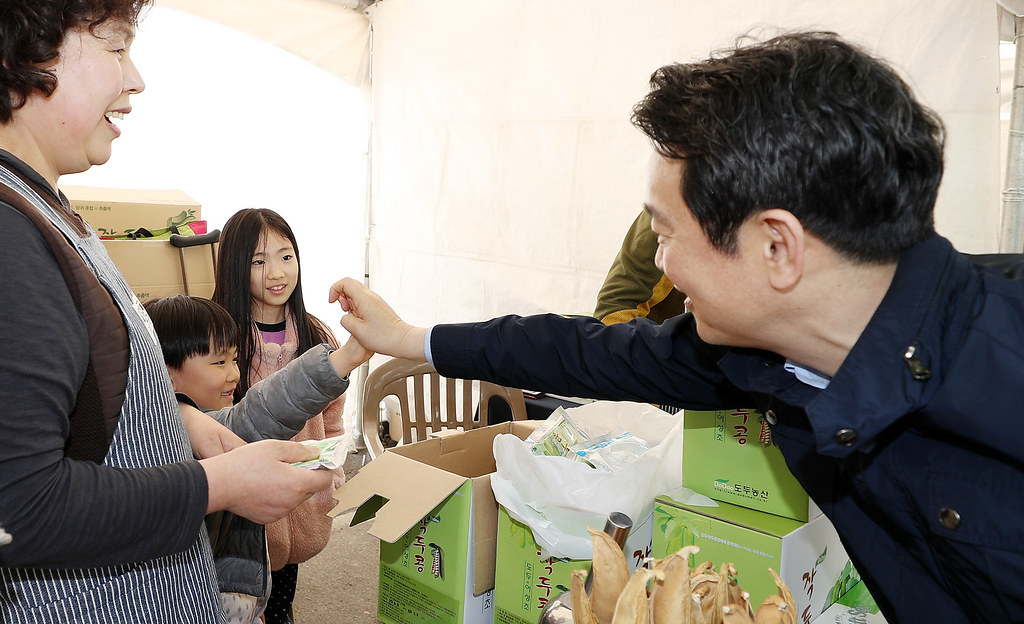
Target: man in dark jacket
{"x": 792, "y": 191}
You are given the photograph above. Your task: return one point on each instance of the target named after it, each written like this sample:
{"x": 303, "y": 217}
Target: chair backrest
{"x": 427, "y": 402}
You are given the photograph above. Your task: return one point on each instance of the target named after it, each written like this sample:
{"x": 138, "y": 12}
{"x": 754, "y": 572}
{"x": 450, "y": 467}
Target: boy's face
{"x": 209, "y": 379}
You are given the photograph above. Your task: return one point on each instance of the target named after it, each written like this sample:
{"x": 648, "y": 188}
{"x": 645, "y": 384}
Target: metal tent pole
{"x": 364, "y": 369}
{"x": 1011, "y": 239}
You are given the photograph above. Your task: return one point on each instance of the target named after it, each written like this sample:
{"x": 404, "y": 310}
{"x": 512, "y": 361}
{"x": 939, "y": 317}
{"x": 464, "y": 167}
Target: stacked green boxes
{"x": 728, "y": 456}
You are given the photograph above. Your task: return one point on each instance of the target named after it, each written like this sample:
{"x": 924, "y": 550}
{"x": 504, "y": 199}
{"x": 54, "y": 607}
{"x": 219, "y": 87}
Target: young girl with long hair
{"x": 258, "y": 283}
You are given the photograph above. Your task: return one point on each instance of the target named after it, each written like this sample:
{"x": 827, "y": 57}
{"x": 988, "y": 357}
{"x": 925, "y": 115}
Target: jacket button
{"x": 949, "y": 518}
{"x": 845, "y": 437}
{"x": 770, "y": 417}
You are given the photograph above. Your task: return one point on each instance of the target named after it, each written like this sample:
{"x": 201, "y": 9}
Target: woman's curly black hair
{"x": 31, "y": 33}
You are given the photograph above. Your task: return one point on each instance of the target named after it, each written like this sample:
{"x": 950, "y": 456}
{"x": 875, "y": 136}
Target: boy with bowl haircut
{"x": 198, "y": 338}
{"x": 197, "y": 333}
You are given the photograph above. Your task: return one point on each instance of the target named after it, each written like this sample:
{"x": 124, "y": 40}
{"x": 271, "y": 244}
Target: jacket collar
{"x": 271, "y": 357}
{"x": 876, "y": 384}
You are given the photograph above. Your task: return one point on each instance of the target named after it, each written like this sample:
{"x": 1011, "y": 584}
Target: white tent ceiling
{"x": 324, "y": 32}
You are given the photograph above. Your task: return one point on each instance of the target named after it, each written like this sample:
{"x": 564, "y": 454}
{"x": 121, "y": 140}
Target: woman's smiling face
{"x": 73, "y": 129}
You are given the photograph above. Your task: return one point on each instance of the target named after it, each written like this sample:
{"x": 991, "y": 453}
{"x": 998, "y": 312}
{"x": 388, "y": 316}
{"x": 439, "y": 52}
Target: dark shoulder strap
{"x": 98, "y": 406}
{"x": 186, "y": 399}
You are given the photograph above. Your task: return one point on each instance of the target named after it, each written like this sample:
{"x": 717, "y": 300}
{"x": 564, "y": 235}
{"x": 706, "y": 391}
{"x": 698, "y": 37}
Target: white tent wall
{"x": 505, "y": 170}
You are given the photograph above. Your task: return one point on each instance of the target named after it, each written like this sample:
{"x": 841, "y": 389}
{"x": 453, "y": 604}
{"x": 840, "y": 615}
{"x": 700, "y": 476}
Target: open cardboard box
{"x": 436, "y": 517}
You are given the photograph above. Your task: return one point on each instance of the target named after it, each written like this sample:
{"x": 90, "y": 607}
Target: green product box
{"x": 436, "y": 517}
{"x": 807, "y": 555}
{"x": 728, "y": 456}
{"x": 524, "y": 582}
{"x": 854, "y": 607}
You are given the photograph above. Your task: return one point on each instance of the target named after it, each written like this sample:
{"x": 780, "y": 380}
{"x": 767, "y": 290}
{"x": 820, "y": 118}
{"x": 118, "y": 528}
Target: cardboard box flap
{"x": 412, "y": 490}
{"x": 758, "y": 521}
{"x": 467, "y": 453}
{"x": 485, "y": 534}
{"x": 403, "y": 485}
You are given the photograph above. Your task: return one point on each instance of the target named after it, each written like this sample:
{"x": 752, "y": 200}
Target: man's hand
{"x": 207, "y": 436}
{"x": 374, "y": 324}
{"x": 256, "y": 481}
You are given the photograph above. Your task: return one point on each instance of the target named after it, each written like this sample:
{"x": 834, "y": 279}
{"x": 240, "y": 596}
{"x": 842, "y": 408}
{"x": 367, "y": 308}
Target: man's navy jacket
{"x": 915, "y": 450}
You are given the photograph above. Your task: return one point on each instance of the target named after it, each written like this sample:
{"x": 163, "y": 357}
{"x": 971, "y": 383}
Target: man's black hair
{"x": 804, "y": 122}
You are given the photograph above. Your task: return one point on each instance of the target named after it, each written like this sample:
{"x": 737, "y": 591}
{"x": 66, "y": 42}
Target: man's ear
{"x": 783, "y": 242}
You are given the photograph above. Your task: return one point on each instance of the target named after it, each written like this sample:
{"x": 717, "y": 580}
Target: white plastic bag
{"x": 559, "y": 498}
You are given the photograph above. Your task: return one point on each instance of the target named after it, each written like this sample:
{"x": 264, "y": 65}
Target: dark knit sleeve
{"x": 62, "y": 512}
{"x": 665, "y": 364}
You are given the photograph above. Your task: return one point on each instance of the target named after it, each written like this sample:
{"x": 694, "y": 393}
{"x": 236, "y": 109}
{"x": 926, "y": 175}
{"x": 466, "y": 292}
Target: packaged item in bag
{"x": 332, "y": 454}
{"x": 612, "y": 453}
{"x": 558, "y": 498}
{"x": 557, "y": 436}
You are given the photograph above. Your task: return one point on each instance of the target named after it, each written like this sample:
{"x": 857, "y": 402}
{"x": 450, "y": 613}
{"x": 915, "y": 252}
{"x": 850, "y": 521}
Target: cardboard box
{"x": 436, "y": 517}
{"x": 153, "y": 268}
{"x": 854, "y": 607}
{"x": 524, "y": 583}
{"x": 726, "y": 457}
{"x": 807, "y": 555}
{"x": 117, "y": 211}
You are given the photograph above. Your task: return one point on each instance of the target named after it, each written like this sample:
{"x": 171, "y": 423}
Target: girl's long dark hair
{"x": 238, "y": 240}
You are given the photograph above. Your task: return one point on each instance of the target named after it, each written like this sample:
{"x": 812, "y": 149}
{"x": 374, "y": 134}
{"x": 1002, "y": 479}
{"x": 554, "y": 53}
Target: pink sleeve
{"x": 334, "y": 417}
